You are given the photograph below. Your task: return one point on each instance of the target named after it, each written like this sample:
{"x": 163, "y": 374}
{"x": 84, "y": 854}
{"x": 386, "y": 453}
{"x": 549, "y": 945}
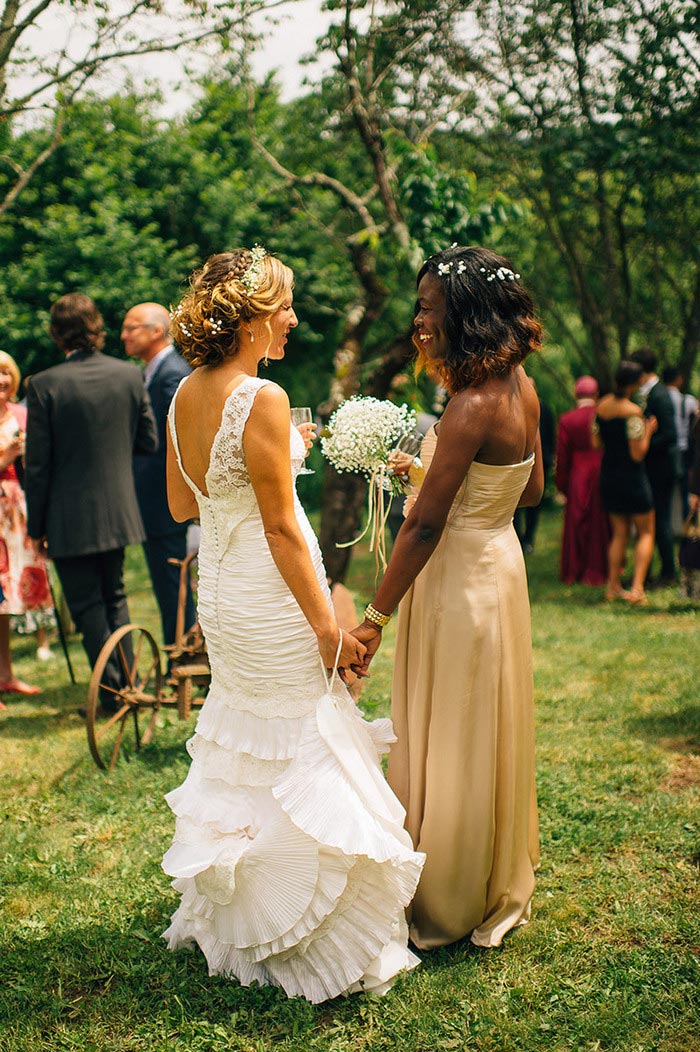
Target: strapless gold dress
{"x": 462, "y": 707}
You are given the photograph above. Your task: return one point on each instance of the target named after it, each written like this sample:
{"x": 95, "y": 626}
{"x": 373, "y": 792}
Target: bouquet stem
{"x": 377, "y": 515}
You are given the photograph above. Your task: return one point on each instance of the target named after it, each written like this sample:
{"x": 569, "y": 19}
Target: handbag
{"x": 689, "y": 549}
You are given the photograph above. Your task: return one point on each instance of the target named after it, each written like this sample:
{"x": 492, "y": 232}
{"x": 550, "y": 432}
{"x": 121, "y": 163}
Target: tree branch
{"x": 28, "y": 173}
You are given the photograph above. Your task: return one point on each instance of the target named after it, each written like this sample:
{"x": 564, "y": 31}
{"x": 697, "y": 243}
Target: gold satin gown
{"x": 462, "y": 707}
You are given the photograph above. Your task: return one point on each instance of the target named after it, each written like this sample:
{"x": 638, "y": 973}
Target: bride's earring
{"x": 252, "y": 337}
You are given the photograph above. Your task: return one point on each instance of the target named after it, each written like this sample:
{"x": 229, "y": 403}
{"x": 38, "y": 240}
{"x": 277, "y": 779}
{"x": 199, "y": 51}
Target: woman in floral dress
{"x": 23, "y": 577}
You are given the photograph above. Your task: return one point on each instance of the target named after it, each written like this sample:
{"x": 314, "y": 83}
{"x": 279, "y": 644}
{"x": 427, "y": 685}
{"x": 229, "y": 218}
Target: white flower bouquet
{"x": 361, "y": 434}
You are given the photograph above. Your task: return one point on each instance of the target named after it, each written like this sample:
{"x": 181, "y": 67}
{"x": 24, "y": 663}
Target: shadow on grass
{"x": 98, "y": 973}
{"x": 40, "y": 716}
{"x": 678, "y": 731}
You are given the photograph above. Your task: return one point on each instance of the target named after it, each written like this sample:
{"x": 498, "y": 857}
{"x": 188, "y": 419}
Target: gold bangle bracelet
{"x": 376, "y": 617}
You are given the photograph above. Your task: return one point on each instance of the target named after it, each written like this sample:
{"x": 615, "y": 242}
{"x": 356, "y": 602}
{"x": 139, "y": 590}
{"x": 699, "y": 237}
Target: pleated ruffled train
{"x": 289, "y": 851}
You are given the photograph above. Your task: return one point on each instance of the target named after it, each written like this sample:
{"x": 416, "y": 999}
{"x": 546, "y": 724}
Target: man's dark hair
{"x": 646, "y": 358}
{"x": 76, "y": 324}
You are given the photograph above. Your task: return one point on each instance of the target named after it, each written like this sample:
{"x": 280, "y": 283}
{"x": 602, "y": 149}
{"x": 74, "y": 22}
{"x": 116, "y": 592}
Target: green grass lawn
{"x": 611, "y": 960}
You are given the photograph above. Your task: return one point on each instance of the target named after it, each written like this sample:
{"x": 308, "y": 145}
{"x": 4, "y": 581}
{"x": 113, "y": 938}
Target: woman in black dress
{"x": 624, "y": 433}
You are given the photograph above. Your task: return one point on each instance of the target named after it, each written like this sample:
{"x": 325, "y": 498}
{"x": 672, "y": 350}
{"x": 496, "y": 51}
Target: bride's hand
{"x": 308, "y": 433}
{"x": 352, "y": 651}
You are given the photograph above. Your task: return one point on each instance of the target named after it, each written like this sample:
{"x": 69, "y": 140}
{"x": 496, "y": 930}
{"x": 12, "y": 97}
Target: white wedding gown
{"x": 289, "y": 851}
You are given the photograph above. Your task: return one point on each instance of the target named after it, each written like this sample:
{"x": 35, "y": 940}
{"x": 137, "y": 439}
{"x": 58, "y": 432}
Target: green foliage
{"x": 592, "y": 114}
{"x": 609, "y": 961}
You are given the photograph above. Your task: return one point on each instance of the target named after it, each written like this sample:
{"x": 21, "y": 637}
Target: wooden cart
{"x": 146, "y": 686}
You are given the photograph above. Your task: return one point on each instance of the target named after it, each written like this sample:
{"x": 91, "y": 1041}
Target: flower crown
{"x": 252, "y": 276}
{"x": 502, "y": 273}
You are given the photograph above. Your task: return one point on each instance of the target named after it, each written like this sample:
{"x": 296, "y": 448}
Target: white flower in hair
{"x": 251, "y": 279}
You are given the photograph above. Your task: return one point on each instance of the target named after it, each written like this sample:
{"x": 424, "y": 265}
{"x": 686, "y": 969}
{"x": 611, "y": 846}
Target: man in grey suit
{"x": 145, "y": 333}
{"x": 85, "y": 419}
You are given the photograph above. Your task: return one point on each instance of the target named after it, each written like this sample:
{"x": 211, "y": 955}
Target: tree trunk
{"x": 345, "y": 495}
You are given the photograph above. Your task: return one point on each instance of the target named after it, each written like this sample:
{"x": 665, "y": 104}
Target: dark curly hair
{"x": 206, "y": 324}
{"x": 76, "y": 323}
{"x": 490, "y": 320}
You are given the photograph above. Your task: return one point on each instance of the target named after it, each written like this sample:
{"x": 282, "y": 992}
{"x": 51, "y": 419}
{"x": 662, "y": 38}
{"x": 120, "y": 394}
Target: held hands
{"x": 693, "y": 502}
{"x": 308, "y": 433}
{"x": 369, "y": 636}
{"x": 652, "y": 424}
{"x": 352, "y": 652}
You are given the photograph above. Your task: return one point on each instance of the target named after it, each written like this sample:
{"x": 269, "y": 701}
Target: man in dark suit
{"x": 85, "y": 419}
{"x": 145, "y": 333}
{"x": 661, "y": 461}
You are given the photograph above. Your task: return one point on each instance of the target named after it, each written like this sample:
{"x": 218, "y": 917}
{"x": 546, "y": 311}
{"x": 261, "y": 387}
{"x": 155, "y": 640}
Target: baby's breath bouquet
{"x": 361, "y": 434}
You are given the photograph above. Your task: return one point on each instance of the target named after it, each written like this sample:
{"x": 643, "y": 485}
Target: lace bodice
{"x": 230, "y": 495}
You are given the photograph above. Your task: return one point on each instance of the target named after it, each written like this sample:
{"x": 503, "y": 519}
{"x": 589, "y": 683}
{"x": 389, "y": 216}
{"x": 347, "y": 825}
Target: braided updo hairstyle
{"x": 206, "y": 324}
{"x": 490, "y": 320}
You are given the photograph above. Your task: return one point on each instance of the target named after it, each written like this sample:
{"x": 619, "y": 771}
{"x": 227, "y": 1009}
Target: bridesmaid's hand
{"x": 400, "y": 464}
{"x": 370, "y": 635}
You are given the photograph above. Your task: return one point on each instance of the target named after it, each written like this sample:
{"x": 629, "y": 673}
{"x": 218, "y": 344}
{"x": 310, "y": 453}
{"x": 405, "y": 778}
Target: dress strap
{"x": 176, "y": 444}
{"x": 334, "y": 673}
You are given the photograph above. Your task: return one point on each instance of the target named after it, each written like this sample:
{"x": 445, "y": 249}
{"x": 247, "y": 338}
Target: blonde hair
{"x": 7, "y": 362}
{"x": 206, "y": 324}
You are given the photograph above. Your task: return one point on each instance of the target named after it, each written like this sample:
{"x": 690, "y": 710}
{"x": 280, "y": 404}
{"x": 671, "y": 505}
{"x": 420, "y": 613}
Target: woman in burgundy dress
{"x": 584, "y": 547}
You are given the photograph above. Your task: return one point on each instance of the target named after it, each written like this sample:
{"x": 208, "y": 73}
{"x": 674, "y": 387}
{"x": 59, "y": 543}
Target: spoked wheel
{"x": 127, "y": 677}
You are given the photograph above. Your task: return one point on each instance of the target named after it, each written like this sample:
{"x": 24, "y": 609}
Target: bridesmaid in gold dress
{"x": 462, "y": 704}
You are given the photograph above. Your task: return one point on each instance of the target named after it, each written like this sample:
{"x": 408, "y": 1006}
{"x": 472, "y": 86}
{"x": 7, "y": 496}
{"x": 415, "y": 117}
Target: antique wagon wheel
{"x": 130, "y": 658}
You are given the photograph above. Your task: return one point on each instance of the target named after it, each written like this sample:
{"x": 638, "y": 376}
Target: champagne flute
{"x": 410, "y": 442}
{"x": 302, "y": 415}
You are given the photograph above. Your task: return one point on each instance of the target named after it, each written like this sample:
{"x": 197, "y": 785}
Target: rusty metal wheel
{"x": 128, "y": 675}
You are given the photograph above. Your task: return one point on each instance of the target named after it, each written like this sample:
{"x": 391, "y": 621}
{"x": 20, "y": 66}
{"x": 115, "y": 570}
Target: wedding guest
{"x": 690, "y": 577}
{"x": 526, "y": 520}
{"x": 462, "y": 700}
{"x": 586, "y": 535}
{"x": 694, "y": 479}
{"x": 86, "y": 418}
{"x": 661, "y": 461}
{"x": 624, "y": 434}
{"x": 23, "y": 577}
{"x": 685, "y": 407}
{"x": 146, "y": 336}
{"x": 289, "y": 854}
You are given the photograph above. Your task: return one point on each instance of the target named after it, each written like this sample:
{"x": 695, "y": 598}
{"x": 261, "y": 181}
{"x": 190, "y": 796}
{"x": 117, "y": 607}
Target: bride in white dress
{"x": 289, "y": 851}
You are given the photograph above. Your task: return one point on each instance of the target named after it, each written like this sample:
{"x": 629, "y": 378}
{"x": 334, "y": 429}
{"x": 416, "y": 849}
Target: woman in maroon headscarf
{"x": 584, "y": 547}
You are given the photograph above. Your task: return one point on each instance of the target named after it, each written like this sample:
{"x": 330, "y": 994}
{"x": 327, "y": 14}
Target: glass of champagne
{"x": 302, "y": 415}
